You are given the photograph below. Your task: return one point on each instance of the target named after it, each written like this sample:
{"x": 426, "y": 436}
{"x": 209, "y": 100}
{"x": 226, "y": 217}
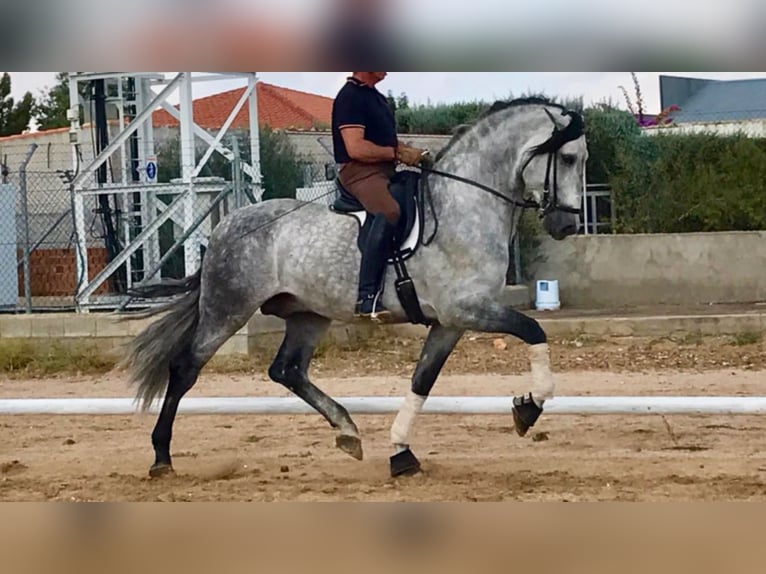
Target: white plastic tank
{"x": 548, "y": 295}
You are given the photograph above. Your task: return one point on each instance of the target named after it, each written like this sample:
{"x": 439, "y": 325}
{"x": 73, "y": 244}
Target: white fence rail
{"x": 387, "y": 406}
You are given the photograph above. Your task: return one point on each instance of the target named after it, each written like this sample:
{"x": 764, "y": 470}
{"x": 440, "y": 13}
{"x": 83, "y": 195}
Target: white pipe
{"x": 387, "y": 406}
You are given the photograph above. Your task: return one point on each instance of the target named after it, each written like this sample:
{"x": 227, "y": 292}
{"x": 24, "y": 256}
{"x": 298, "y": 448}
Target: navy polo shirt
{"x": 363, "y": 106}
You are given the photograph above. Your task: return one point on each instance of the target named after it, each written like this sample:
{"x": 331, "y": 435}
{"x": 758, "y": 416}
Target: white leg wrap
{"x": 405, "y": 420}
{"x": 542, "y": 379}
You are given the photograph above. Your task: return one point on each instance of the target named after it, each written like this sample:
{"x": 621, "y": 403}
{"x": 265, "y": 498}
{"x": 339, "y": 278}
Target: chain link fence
{"x": 123, "y": 234}
{"x": 36, "y": 237}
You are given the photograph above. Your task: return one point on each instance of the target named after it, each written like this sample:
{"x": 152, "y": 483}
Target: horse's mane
{"x": 497, "y": 107}
{"x": 501, "y": 105}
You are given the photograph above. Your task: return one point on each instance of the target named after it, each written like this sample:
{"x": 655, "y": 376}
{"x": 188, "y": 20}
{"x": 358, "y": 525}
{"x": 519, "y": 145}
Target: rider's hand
{"x": 410, "y": 155}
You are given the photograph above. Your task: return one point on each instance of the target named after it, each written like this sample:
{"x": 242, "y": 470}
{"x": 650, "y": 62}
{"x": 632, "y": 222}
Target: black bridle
{"x": 551, "y": 192}
{"x": 527, "y": 204}
{"x": 550, "y": 201}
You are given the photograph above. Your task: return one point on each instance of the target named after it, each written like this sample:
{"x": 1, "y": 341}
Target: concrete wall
{"x": 54, "y": 151}
{"x": 308, "y": 144}
{"x": 103, "y": 329}
{"x": 264, "y": 334}
{"x": 750, "y": 128}
{"x": 638, "y": 270}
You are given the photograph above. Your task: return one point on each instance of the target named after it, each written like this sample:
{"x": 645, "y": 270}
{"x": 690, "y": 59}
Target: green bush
{"x": 443, "y": 119}
{"x": 691, "y": 183}
{"x": 609, "y": 131}
{"x": 440, "y": 119}
{"x": 675, "y": 183}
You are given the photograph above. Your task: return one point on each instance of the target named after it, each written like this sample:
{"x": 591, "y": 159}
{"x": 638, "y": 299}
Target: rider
{"x": 367, "y": 150}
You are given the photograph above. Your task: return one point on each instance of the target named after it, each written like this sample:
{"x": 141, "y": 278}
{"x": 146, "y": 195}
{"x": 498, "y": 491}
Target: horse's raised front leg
{"x": 437, "y": 349}
{"x": 493, "y": 317}
{"x": 290, "y": 368}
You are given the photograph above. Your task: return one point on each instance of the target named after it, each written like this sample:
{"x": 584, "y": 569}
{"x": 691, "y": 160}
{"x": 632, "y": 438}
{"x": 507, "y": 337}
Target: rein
{"x": 486, "y": 188}
{"x": 550, "y": 201}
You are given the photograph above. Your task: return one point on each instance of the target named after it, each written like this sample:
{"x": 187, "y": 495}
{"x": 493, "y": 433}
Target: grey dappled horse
{"x": 300, "y": 262}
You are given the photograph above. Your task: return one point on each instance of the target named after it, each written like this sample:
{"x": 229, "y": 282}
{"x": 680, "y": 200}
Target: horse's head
{"x": 532, "y": 153}
{"x": 550, "y": 167}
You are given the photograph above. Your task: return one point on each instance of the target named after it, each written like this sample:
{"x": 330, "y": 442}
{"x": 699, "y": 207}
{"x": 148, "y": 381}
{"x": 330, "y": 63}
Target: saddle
{"x": 406, "y": 189}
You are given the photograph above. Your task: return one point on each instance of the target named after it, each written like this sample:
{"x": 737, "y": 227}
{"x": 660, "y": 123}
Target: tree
{"x": 14, "y": 116}
{"x": 50, "y": 111}
{"x": 280, "y": 165}
{"x": 391, "y": 101}
{"x": 402, "y": 102}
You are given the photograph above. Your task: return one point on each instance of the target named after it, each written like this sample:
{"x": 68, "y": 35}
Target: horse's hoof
{"x": 161, "y": 471}
{"x": 404, "y": 464}
{"x": 351, "y": 445}
{"x": 525, "y": 414}
{"x": 521, "y": 427}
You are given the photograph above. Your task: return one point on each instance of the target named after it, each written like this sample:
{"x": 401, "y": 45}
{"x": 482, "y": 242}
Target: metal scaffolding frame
{"x": 191, "y": 195}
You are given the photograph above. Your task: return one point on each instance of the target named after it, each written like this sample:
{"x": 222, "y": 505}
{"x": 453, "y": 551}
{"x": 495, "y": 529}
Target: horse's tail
{"x": 151, "y": 353}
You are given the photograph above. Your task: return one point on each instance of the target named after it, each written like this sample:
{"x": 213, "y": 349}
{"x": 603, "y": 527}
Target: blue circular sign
{"x": 151, "y": 170}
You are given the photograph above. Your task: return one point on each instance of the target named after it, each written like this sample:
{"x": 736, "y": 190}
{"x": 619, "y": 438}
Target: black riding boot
{"x": 377, "y": 250}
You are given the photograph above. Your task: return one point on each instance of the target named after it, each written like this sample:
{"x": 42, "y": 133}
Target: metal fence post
{"x": 236, "y": 173}
{"x": 25, "y": 223}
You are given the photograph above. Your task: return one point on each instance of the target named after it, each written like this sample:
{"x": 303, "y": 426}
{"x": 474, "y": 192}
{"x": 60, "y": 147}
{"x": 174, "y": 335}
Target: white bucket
{"x": 548, "y": 296}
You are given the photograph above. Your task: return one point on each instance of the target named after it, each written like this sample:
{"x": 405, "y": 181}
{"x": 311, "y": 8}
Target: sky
{"x": 437, "y": 87}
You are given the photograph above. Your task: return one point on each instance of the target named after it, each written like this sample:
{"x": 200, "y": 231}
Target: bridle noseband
{"x": 550, "y": 201}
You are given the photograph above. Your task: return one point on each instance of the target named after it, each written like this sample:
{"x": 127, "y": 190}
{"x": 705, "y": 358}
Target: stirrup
{"x": 378, "y": 316}
{"x": 381, "y": 317}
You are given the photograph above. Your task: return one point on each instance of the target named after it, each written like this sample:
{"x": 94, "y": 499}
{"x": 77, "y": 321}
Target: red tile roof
{"x": 278, "y": 108}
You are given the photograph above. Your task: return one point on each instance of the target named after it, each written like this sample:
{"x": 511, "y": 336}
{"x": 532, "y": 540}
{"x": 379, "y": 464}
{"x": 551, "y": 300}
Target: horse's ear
{"x": 559, "y": 120}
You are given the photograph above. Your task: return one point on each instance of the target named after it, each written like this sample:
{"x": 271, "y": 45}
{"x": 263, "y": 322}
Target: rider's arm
{"x": 363, "y": 150}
